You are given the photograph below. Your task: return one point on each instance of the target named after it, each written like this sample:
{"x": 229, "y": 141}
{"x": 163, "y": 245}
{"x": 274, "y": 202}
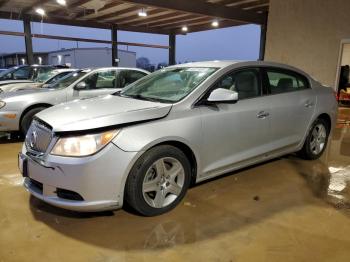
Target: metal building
{"x": 90, "y": 57}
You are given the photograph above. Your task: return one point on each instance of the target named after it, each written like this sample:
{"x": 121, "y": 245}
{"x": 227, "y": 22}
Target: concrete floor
{"x": 284, "y": 210}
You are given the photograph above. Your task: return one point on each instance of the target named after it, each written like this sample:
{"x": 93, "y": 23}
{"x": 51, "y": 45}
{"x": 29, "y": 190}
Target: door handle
{"x": 309, "y": 104}
{"x": 262, "y": 114}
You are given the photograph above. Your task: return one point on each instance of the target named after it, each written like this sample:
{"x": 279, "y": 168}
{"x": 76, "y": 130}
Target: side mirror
{"x": 222, "y": 95}
{"x": 80, "y": 86}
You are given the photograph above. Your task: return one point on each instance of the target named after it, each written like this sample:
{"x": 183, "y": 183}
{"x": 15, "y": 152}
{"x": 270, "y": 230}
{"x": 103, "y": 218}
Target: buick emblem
{"x": 33, "y": 139}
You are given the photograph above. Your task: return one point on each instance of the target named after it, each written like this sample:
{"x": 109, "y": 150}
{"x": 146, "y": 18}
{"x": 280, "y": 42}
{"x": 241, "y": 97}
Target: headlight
{"x": 2, "y": 104}
{"x": 83, "y": 145}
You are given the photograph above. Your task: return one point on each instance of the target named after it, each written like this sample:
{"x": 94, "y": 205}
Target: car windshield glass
{"x": 68, "y": 80}
{"x": 44, "y": 74}
{"x": 7, "y": 71}
{"x": 168, "y": 85}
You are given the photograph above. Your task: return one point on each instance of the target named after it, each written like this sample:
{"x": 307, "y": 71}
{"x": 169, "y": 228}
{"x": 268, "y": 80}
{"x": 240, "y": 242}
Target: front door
{"x": 102, "y": 82}
{"x": 235, "y": 133}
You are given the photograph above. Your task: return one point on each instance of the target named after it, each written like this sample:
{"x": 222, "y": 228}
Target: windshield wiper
{"x": 145, "y": 98}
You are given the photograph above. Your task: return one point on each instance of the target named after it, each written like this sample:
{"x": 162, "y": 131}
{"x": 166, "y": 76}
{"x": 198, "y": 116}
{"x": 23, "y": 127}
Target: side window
{"x": 99, "y": 80}
{"x": 22, "y": 73}
{"x": 282, "y": 82}
{"x": 245, "y": 82}
{"x": 129, "y": 77}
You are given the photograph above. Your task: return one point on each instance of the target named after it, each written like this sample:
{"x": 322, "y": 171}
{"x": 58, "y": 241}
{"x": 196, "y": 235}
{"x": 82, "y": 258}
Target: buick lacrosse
{"x": 144, "y": 146}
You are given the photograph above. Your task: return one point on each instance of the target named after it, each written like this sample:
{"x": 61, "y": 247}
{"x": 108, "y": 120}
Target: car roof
{"x": 115, "y": 68}
{"x": 236, "y": 63}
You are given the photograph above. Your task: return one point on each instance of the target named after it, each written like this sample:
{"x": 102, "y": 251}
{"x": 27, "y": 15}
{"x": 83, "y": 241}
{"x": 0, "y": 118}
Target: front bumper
{"x": 98, "y": 179}
{"x": 9, "y": 121}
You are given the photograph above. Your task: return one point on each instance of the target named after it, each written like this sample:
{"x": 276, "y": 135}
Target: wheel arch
{"x": 326, "y": 117}
{"x": 189, "y": 153}
{"x": 46, "y": 105}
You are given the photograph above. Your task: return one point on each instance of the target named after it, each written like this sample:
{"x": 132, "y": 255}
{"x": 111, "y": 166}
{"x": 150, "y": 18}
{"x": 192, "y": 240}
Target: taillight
{"x": 336, "y": 95}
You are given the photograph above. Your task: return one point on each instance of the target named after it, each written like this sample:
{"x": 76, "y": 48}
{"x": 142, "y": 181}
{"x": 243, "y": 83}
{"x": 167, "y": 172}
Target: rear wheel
{"x": 316, "y": 141}
{"x": 158, "y": 181}
{"x": 28, "y": 117}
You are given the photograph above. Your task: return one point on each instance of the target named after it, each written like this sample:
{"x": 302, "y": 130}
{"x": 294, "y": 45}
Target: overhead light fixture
{"x": 61, "y": 2}
{"x": 40, "y": 11}
{"x": 142, "y": 13}
{"x": 215, "y": 23}
{"x": 184, "y": 28}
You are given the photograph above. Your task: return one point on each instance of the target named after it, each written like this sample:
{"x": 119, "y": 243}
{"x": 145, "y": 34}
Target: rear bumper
{"x": 98, "y": 179}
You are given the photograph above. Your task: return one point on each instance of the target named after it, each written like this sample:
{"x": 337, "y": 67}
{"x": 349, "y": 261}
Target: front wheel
{"x": 158, "y": 181}
{"x": 316, "y": 141}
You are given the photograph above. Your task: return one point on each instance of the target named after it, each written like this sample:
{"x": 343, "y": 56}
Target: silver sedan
{"x": 178, "y": 126}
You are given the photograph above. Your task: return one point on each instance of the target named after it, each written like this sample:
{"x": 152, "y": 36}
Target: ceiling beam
{"x": 104, "y": 9}
{"x": 181, "y": 22}
{"x": 205, "y": 27}
{"x": 129, "y": 19}
{"x": 81, "y": 23}
{"x": 161, "y": 18}
{"x": 3, "y": 2}
{"x": 118, "y": 13}
{"x": 195, "y": 22}
{"x": 203, "y": 8}
{"x": 78, "y": 39}
{"x": 70, "y": 6}
{"x": 38, "y": 3}
{"x": 253, "y": 4}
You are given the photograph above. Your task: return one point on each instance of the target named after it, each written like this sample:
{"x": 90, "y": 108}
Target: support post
{"x": 263, "y": 30}
{"x": 28, "y": 40}
{"x": 172, "y": 49}
{"x": 114, "y": 36}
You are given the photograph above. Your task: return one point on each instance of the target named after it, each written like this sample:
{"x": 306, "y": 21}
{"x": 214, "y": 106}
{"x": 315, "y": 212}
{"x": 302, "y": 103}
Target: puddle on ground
{"x": 11, "y": 180}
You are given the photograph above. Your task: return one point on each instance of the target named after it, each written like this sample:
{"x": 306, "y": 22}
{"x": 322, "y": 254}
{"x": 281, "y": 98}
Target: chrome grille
{"x": 38, "y": 137}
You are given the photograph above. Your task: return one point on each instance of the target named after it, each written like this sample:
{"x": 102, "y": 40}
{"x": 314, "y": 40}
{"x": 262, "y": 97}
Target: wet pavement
{"x": 284, "y": 210}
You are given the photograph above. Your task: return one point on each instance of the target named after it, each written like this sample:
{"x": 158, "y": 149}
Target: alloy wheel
{"x": 318, "y": 139}
{"x": 163, "y": 182}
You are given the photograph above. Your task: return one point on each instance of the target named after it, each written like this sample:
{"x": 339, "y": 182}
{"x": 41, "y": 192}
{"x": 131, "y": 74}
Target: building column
{"x": 28, "y": 40}
{"x": 172, "y": 49}
{"x": 263, "y": 29}
{"x": 114, "y": 32}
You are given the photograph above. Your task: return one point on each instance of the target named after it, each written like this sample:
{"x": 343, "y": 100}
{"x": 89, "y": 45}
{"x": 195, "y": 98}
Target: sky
{"x": 236, "y": 43}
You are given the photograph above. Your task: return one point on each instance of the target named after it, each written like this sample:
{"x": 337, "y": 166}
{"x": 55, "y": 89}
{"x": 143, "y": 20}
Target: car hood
{"x": 20, "y": 86}
{"x": 101, "y": 112}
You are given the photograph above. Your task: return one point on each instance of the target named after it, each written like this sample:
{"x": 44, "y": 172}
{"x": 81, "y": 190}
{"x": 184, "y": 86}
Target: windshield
{"x": 44, "y": 74}
{"x": 68, "y": 80}
{"x": 168, "y": 85}
{"x": 7, "y": 71}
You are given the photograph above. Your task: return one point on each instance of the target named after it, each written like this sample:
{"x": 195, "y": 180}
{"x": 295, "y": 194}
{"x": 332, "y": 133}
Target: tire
{"x": 310, "y": 150}
{"x": 158, "y": 181}
{"x": 27, "y": 119}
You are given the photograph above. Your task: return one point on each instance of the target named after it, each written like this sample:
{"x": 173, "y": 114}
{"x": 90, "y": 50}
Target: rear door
{"x": 292, "y": 103}
{"x": 233, "y": 133}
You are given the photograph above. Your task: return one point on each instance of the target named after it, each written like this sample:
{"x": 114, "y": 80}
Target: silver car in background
{"x": 180, "y": 125}
{"x": 44, "y": 80}
{"x": 18, "y": 108}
